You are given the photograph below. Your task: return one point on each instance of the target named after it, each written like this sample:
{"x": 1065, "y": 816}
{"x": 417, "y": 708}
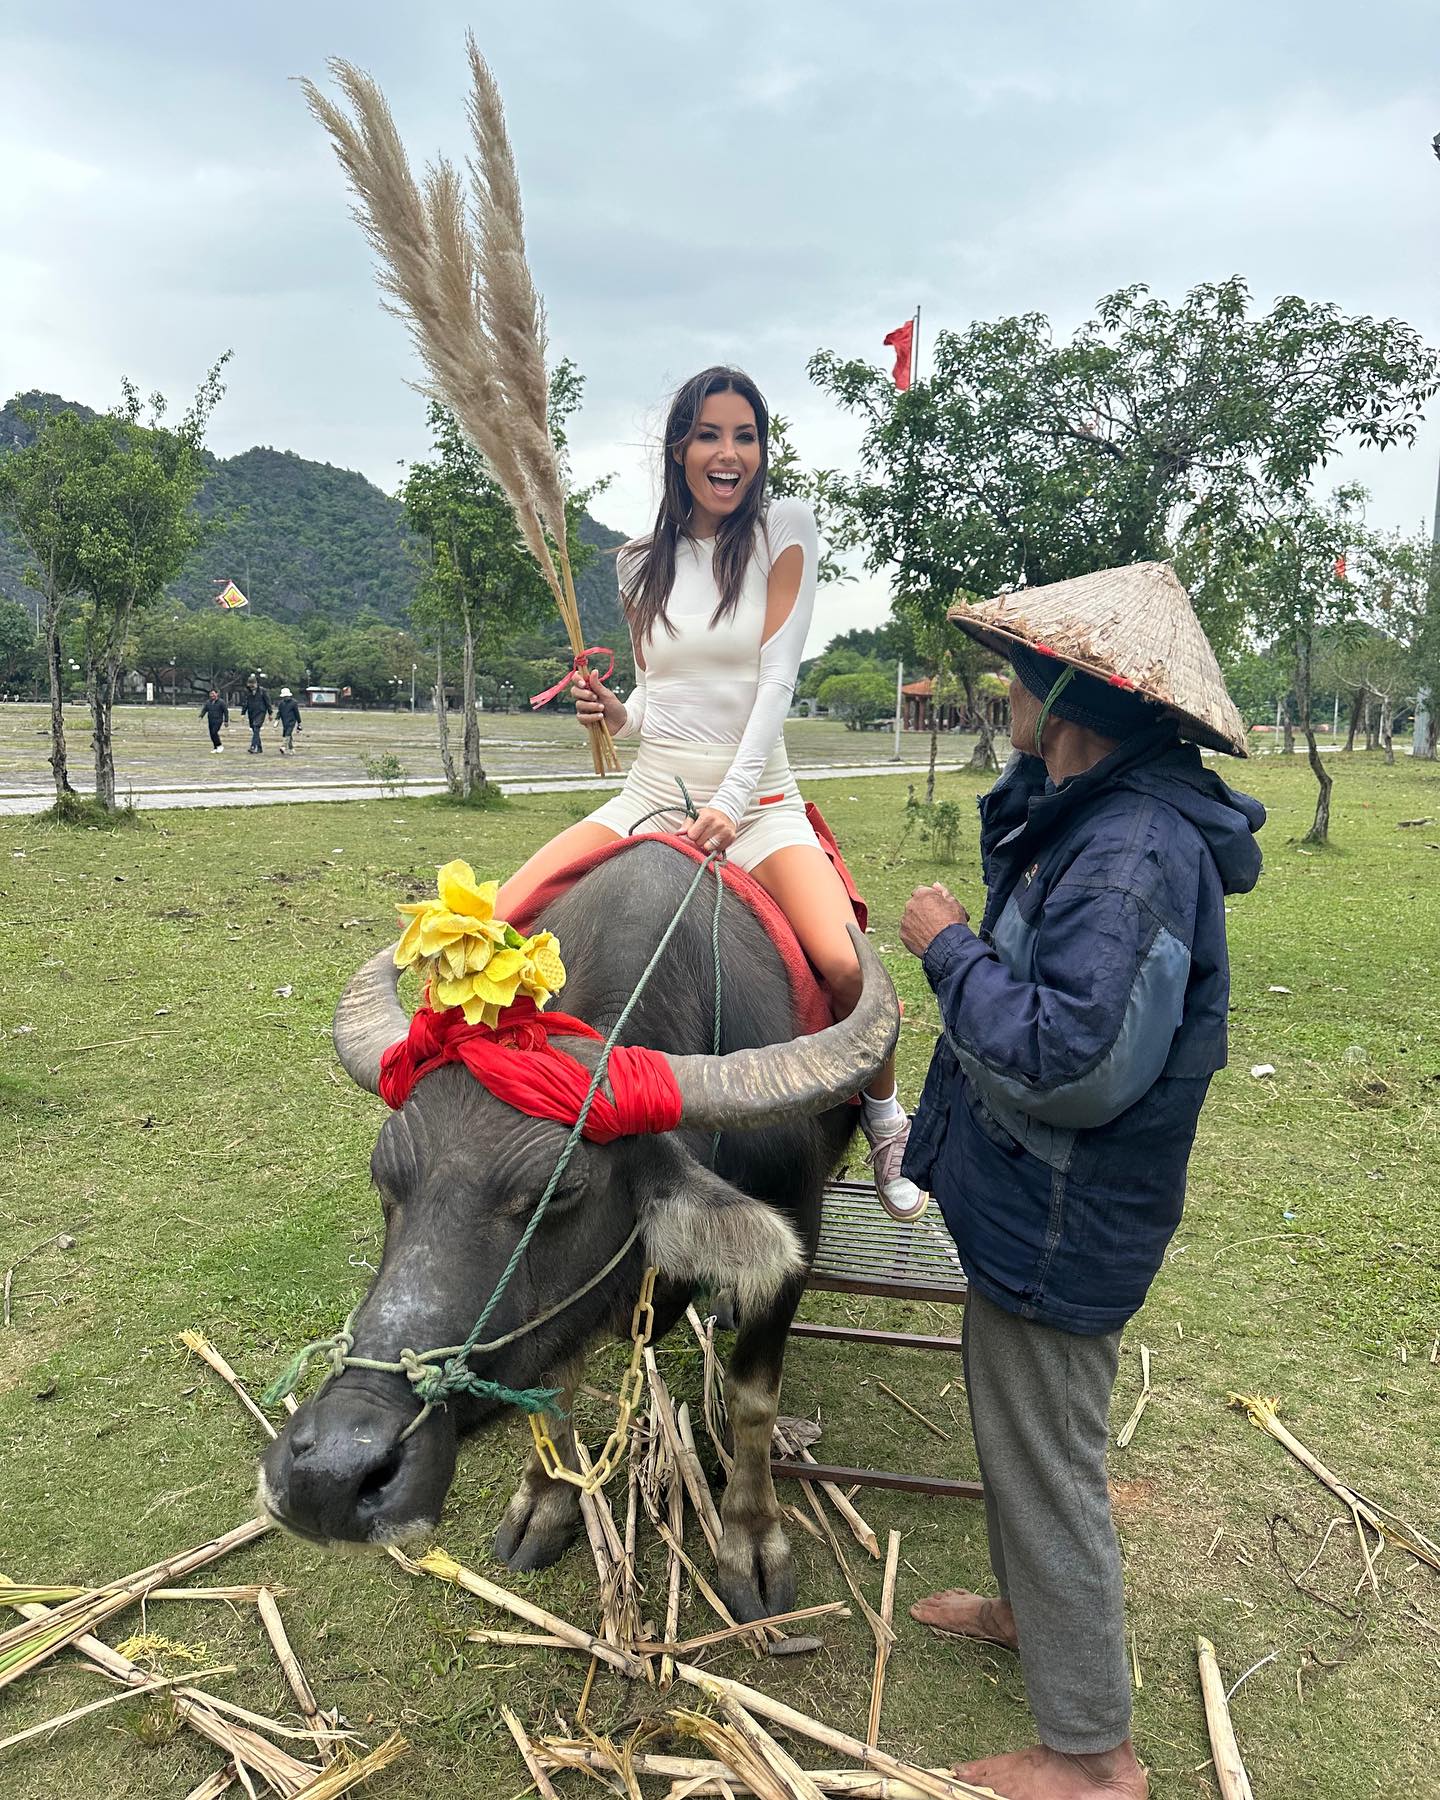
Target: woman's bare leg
{"x": 802, "y": 882}
{"x": 575, "y": 842}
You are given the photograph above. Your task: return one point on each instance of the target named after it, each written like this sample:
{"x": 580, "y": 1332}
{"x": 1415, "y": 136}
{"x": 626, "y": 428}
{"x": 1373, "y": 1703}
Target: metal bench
{"x": 863, "y": 1250}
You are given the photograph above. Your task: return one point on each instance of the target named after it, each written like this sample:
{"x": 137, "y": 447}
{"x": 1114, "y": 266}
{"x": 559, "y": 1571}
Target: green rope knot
{"x": 336, "y": 1348}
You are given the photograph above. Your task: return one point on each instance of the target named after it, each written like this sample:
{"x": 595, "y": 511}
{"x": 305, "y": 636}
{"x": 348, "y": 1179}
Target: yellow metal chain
{"x": 632, "y": 1388}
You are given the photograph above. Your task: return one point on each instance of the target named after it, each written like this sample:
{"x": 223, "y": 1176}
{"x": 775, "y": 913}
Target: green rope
{"x": 437, "y": 1374}
{"x": 1059, "y": 688}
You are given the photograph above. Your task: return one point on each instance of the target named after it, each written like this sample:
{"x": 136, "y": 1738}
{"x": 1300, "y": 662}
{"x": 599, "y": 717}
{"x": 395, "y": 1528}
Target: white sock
{"x": 882, "y": 1112}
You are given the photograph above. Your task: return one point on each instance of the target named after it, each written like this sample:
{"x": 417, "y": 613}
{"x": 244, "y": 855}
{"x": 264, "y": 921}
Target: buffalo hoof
{"x": 755, "y": 1574}
{"x": 539, "y": 1525}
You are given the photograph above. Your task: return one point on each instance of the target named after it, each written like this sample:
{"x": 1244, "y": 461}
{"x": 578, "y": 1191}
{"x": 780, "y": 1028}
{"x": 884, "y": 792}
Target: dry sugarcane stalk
{"x": 860, "y": 1530}
{"x": 857, "y": 1784}
{"x": 24, "y": 1647}
{"x": 604, "y": 1570}
{"x": 340, "y": 1777}
{"x": 852, "y": 1784}
{"x": 284, "y": 1772}
{"x": 206, "y": 1351}
{"x": 881, "y": 1632}
{"x": 752, "y": 1771}
{"x": 675, "y": 1507}
{"x": 714, "y": 1422}
{"x": 1127, "y": 1430}
{"x": 445, "y": 1568}
{"x": 913, "y": 1411}
{"x": 882, "y": 1648}
{"x": 621, "y": 1596}
{"x": 295, "y": 1675}
{"x": 831, "y": 1608}
{"x": 79, "y": 1712}
{"x": 754, "y": 1634}
{"x": 653, "y": 1500}
{"x": 213, "y": 1786}
{"x": 942, "y": 1787}
{"x": 695, "y": 1476}
{"x": 798, "y": 1785}
{"x": 1229, "y": 1769}
{"x": 527, "y": 1640}
{"x": 1262, "y": 1414}
{"x": 543, "y": 1784}
{"x": 14, "y": 1593}
{"x": 689, "y": 1472}
{"x": 273, "y": 1726}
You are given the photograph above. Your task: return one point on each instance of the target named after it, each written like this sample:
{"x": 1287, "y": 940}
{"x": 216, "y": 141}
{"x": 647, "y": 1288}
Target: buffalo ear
{"x": 698, "y": 1228}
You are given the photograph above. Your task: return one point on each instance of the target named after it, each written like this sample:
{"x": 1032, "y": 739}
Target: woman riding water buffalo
{"x": 718, "y": 600}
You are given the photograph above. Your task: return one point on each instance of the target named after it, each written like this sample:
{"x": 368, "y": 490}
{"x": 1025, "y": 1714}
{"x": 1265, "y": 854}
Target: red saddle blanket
{"x": 812, "y": 1003}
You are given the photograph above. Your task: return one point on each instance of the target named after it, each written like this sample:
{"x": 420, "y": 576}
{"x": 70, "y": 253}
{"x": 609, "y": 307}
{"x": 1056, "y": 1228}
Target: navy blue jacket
{"x": 1081, "y": 1027}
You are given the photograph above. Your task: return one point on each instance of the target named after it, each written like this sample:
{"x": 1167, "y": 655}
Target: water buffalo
{"x": 459, "y": 1172}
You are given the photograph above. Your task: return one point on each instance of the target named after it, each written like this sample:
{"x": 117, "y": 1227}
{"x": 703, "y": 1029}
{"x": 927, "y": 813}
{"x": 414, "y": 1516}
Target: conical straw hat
{"x": 1134, "y": 627}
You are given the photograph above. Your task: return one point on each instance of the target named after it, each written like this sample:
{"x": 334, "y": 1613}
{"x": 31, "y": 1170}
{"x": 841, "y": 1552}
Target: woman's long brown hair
{"x": 645, "y": 596}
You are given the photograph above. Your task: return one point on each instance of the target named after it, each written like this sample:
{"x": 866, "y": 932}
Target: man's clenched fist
{"x": 927, "y": 912}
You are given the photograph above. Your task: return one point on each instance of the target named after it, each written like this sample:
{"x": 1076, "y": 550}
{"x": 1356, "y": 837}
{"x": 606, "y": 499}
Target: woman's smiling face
{"x": 721, "y": 459}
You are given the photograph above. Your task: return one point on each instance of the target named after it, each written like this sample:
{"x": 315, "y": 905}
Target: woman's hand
{"x": 713, "y": 830}
{"x": 594, "y": 702}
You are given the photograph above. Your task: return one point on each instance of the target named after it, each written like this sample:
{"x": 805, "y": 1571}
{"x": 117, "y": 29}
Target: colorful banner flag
{"x": 902, "y": 341}
{"x": 230, "y": 597}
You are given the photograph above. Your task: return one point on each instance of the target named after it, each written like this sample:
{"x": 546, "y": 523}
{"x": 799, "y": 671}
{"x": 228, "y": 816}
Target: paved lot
{"x": 164, "y": 760}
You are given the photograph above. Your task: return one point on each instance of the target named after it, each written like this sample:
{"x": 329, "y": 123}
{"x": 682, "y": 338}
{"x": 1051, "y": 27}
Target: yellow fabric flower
{"x": 469, "y": 958}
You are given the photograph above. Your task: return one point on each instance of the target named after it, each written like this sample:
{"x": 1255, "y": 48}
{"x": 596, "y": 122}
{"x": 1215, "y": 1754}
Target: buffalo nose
{"x": 333, "y": 1476}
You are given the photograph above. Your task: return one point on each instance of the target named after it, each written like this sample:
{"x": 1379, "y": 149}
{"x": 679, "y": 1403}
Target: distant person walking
{"x": 288, "y": 713}
{"x": 255, "y": 704}
{"x": 215, "y": 713}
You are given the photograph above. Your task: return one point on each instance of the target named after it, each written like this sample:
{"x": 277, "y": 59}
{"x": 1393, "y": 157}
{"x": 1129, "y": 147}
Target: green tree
{"x": 835, "y": 659}
{"x": 1022, "y": 461}
{"x": 373, "y": 660}
{"x": 479, "y": 586}
{"x": 18, "y": 649}
{"x": 39, "y": 502}
{"x": 858, "y": 699}
{"x": 107, "y": 510}
{"x": 1399, "y": 581}
{"x": 1295, "y": 592}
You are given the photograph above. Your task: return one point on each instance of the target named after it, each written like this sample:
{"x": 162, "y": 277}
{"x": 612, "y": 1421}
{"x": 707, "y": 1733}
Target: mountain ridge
{"x": 305, "y": 538}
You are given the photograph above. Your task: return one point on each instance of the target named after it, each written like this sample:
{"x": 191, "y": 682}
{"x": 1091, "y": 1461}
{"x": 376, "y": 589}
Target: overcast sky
{"x": 741, "y": 183}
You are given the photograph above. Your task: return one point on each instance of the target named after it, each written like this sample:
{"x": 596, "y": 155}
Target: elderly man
{"x": 1080, "y": 1028}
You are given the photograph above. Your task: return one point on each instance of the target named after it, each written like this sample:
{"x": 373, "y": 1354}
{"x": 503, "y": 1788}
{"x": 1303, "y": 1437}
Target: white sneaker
{"x": 899, "y": 1196}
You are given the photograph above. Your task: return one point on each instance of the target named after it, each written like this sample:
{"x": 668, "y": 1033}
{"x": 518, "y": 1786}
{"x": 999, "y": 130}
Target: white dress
{"x": 709, "y": 705}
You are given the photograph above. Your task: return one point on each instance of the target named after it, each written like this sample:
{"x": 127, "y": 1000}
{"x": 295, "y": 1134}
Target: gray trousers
{"x": 1040, "y": 1407}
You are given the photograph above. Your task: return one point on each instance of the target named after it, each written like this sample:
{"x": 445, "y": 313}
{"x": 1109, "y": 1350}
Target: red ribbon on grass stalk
{"x": 579, "y": 665}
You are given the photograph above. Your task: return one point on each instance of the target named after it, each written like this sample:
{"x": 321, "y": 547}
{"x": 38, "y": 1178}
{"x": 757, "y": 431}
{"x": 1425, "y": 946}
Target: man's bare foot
{"x": 961, "y": 1614}
{"x": 1044, "y": 1774}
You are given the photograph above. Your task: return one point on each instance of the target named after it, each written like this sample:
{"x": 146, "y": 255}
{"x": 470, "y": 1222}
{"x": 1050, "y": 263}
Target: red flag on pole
{"x": 902, "y": 341}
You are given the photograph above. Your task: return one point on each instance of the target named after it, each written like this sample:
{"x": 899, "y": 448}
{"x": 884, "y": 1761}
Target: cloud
{"x": 749, "y": 185}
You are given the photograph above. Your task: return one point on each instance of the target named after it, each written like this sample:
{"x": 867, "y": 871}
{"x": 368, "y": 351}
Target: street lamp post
{"x": 172, "y": 680}
{"x": 413, "y": 668}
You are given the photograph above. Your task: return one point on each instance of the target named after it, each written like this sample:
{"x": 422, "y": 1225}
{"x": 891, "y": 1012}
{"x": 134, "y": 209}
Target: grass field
{"x": 184, "y": 1121}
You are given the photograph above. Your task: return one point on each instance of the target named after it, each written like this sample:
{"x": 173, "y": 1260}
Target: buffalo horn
{"x": 369, "y": 1019}
{"x": 750, "y": 1088}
